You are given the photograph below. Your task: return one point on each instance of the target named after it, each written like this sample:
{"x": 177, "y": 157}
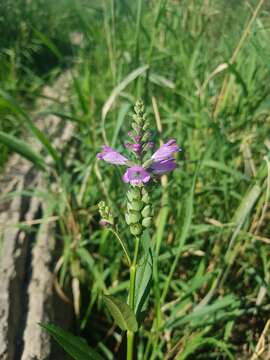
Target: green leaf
{"x": 23, "y": 149}
{"x": 73, "y": 345}
{"x": 143, "y": 277}
{"x": 121, "y": 312}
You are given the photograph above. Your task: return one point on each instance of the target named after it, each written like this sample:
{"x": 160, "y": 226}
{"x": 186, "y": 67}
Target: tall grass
{"x": 205, "y": 67}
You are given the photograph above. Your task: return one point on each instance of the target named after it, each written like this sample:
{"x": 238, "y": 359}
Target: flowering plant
{"x": 138, "y": 175}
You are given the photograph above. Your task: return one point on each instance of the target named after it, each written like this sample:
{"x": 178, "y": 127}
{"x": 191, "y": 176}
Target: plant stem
{"x": 130, "y": 338}
{"x": 123, "y": 246}
{"x": 132, "y": 270}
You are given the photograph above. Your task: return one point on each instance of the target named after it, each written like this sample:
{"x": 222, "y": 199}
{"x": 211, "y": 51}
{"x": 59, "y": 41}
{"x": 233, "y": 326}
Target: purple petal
{"x": 164, "y": 166}
{"x": 111, "y": 156}
{"x": 136, "y": 176}
{"x": 104, "y": 223}
{"x": 165, "y": 151}
{"x": 137, "y": 148}
{"x": 137, "y": 138}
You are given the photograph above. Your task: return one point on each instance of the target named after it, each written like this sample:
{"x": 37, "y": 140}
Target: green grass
{"x": 211, "y": 234}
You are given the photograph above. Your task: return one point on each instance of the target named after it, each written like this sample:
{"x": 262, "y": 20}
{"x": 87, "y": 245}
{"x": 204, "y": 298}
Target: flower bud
{"x": 145, "y": 137}
{"x": 136, "y": 229}
{"x": 133, "y": 217}
{"x": 136, "y": 127}
{"x": 139, "y": 108}
{"x": 138, "y": 119}
{"x": 146, "y": 125}
{"x": 146, "y": 212}
{"x": 134, "y": 194}
{"x": 135, "y": 205}
{"x": 147, "y": 222}
{"x": 146, "y": 198}
{"x": 105, "y": 223}
{"x": 127, "y": 219}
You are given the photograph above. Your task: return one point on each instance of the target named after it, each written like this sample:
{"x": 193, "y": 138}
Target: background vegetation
{"x": 202, "y": 68}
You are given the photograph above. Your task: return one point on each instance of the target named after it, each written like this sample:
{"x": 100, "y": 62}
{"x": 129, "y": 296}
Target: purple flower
{"x": 136, "y": 175}
{"x": 135, "y": 147}
{"x": 137, "y": 138}
{"x": 163, "y": 166}
{"x": 161, "y": 162}
{"x": 166, "y": 151}
{"x": 112, "y": 156}
{"x": 104, "y": 223}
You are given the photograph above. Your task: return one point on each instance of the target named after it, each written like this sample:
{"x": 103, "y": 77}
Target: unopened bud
{"x": 146, "y": 125}
{"x": 105, "y": 223}
{"x": 145, "y": 137}
{"x": 136, "y": 229}
{"x": 147, "y": 222}
{"x": 146, "y": 198}
{"x": 133, "y": 217}
{"x": 138, "y": 119}
{"x": 135, "y": 205}
{"x": 139, "y": 107}
{"x": 136, "y": 127}
{"x": 146, "y": 211}
{"x": 134, "y": 194}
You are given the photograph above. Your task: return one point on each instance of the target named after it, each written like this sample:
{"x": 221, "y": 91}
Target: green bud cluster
{"x": 139, "y": 212}
{"x": 105, "y": 214}
{"x": 141, "y": 126}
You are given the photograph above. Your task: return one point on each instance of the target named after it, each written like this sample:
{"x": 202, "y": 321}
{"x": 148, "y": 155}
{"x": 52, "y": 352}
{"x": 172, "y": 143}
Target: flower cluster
{"x": 141, "y": 172}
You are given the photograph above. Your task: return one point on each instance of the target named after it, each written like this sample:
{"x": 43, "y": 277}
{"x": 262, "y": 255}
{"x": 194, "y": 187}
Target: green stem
{"x": 123, "y": 246}
{"x": 132, "y": 270}
{"x": 130, "y": 338}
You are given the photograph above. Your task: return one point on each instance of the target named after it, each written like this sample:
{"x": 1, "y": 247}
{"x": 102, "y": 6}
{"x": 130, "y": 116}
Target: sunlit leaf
{"x": 121, "y": 312}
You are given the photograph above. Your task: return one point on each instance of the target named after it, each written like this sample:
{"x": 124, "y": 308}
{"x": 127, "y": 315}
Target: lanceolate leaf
{"x": 73, "y": 345}
{"x": 122, "y": 313}
{"x": 23, "y": 149}
{"x": 143, "y": 282}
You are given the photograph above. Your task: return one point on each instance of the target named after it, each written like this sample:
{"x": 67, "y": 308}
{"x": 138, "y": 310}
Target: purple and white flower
{"x": 163, "y": 166}
{"x": 136, "y": 175}
{"x": 161, "y": 162}
{"x": 166, "y": 151}
{"x": 111, "y": 156}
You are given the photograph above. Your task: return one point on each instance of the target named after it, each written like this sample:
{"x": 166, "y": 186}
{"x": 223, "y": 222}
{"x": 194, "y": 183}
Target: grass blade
{"x": 24, "y": 119}
{"x": 23, "y": 149}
